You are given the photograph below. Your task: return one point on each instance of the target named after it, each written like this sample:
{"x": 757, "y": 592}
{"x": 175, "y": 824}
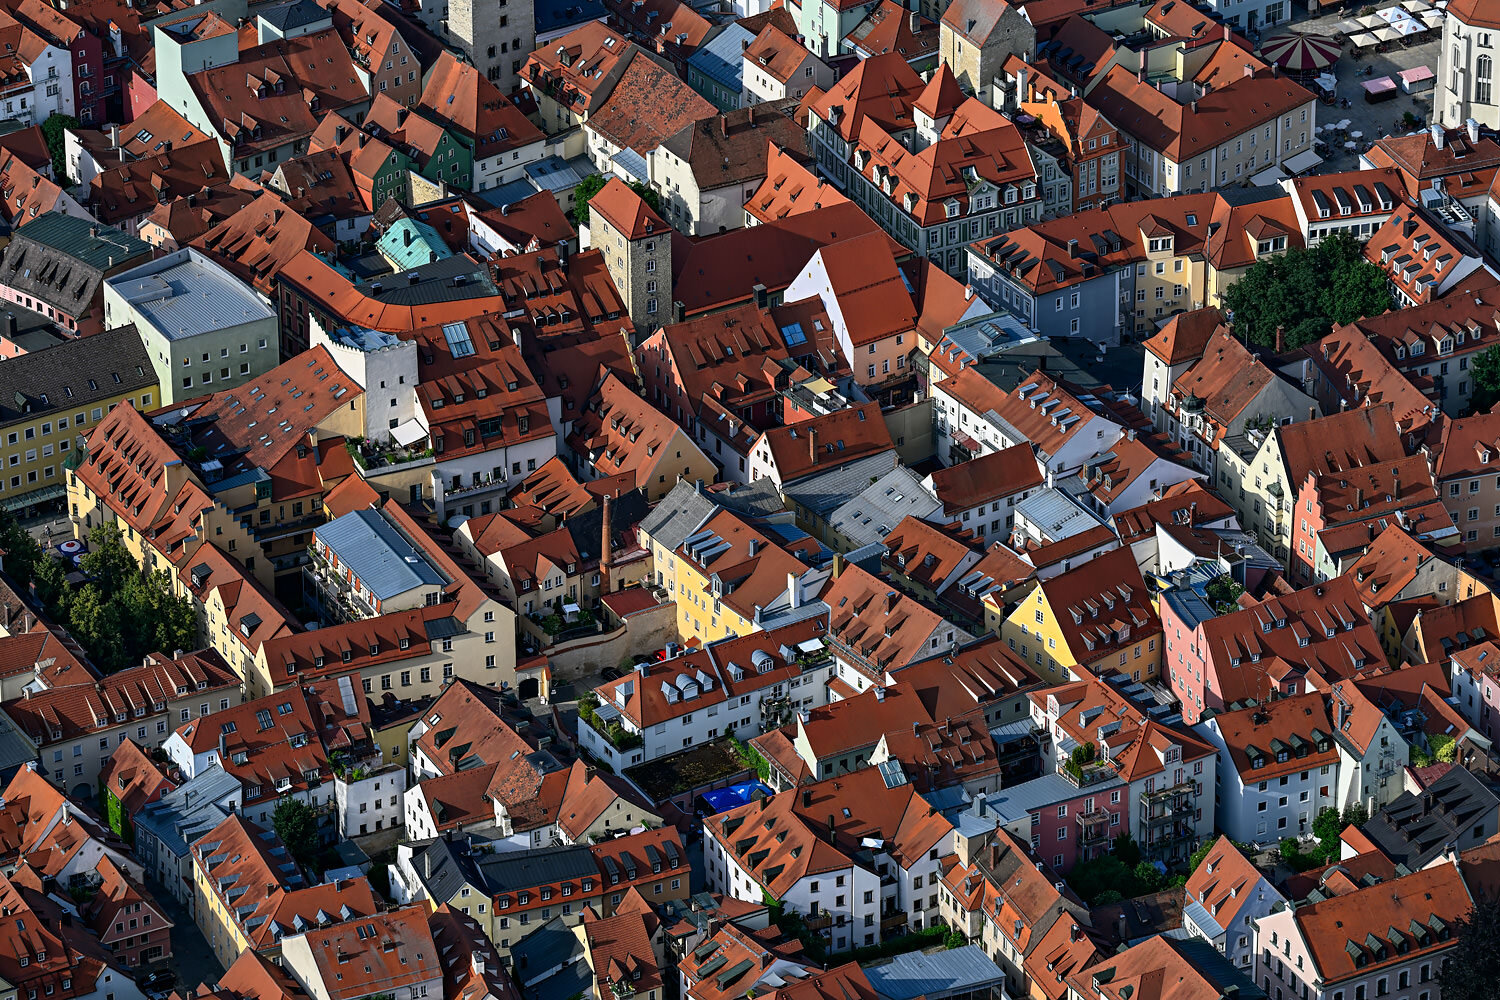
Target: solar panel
{"x": 459, "y": 343}
{"x": 793, "y": 335}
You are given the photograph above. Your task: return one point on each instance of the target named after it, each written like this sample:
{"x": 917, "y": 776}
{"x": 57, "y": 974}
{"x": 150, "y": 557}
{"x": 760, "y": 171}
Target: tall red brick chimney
{"x": 606, "y": 548}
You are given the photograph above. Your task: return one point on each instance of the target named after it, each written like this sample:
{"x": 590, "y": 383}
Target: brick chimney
{"x": 1280, "y": 339}
{"x": 812, "y": 445}
{"x": 606, "y": 548}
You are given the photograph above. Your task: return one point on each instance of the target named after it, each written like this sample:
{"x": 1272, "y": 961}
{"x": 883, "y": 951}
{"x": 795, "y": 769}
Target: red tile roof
{"x": 781, "y": 839}
{"x": 790, "y": 187}
{"x": 263, "y": 889}
{"x": 232, "y": 97}
{"x": 390, "y": 952}
{"x": 826, "y": 441}
{"x": 648, "y": 106}
{"x": 134, "y": 778}
{"x": 1421, "y": 909}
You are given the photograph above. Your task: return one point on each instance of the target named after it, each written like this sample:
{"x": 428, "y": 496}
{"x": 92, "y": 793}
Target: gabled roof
{"x": 789, "y": 188}
{"x": 877, "y": 625}
{"x": 826, "y": 441}
{"x": 1392, "y": 923}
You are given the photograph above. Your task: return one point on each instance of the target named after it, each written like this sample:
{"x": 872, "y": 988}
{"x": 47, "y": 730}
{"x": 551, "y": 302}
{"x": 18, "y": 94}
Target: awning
{"x": 1267, "y": 177}
{"x": 34, "y": 497}
{"x": 408, "y": 432}
{"x": 1302, "y": 162}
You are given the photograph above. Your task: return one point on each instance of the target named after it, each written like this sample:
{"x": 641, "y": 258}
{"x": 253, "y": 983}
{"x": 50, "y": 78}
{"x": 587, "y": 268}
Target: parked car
{"x": 610, "y": 674}
{"x": 160, "y": 981}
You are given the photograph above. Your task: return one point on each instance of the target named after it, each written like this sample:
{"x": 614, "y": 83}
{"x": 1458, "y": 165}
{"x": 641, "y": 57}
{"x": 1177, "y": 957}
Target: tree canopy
{"x": 1485, "y": 373}
{"x": 1472, "y": 970}
{"x": 120, "y": 615}
{"x": 594, "y": 183}
{"x": 297, "y": 826}
{"x": 1307, "y": 292}
{"x": 52, "y": 132}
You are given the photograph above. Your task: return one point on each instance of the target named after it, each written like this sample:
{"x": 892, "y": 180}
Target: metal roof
{"x": 185, "y": 294}
{"x": 822, "y": 492}
{"x": 722, "y": 59}
{"x": 1018, "y": 801}
{"x": 1058, "y": 515}
{"x": 884, "y": 503}
{"x": 186, "y": 813}
{"x": 378, "y": 554}
{"x": 680, "y": 513}
{"x": 943, "y": 972}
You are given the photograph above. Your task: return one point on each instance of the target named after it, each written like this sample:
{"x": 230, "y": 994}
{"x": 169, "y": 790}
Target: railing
{"x": 892, "y": 921}
{"x": 819, "y": 922}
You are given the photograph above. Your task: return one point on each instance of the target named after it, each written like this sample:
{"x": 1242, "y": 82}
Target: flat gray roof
{"x": 185, "y": 294}
{"x": 378, "y": 554}
{"x": 916, "y": 974}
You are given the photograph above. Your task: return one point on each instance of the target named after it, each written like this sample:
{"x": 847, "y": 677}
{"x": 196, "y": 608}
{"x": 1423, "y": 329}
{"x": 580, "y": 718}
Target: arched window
{"x": 1483, "y": 72}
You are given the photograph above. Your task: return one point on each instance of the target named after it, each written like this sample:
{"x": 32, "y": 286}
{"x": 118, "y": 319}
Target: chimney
{"x": 1472, "y": 125}
{"x": 1280, "y": 339}
{"x": 812, "y": 444}
{"x": 1438, "y": 136}
{"x": 968, "y": 292}
{"x": 916, "y": 22}
{"x": 1359, "y": 497}
{"x": 806, "y": 798}
{"x": 114, "y": 136}
{"x": 724, "y": 126}
{"x": 793, "y": 593}
{"x": 606, "y": 547}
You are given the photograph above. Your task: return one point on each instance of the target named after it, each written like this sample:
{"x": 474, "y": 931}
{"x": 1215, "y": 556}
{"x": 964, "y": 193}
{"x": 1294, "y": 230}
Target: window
{"x": 1483, "y": 73}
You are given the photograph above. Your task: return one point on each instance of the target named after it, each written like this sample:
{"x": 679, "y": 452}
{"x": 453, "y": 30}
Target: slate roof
{"x": 74, "y": 374}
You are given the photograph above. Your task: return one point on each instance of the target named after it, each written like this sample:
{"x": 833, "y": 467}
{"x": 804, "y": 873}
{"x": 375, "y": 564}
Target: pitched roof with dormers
{"x": 826, "y": 441}
{"x": 1392, "y": 924}
{"x": 621, "y": 433}
{"x": 877, "y": 626}
{"x": 1101, "y": 606}
{"x": 258, "y": 883}
{"x": 790, "y": 188}
{"x": 821, "y": 827}
{"x": 390, "y": 952}
{"x": 53, "y": 714}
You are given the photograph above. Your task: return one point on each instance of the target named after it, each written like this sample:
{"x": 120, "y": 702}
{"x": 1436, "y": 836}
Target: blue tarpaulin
{"x": 723, "y": 799}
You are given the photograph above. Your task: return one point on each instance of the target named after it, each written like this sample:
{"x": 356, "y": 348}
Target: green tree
{"x": 52, "y": 131}
{"x": 50, "y": 582}
{"x": 297, "y": 826}
{"x": 594, "y": 183}
{"x": 1306, "y": 292}
{"x": 1201, "y": 853}
{"x": 1223, "y": 594}
{"x": 21, "y": 552}
{"x": 1484, "y": 371}
{"x": 1472, "y": 969}
{"x": 1355, "y": 814}
{"x": 1108, "y": 896}
{"x": 108, "y": 563}
{"x": 1127, "y": 850}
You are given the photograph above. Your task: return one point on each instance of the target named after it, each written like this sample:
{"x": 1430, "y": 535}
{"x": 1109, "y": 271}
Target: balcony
{"x": 387, "y": 457}
{"x": 1083, "y": 775}
{"x": 819, "y": 922}
{"x": 894, "y": 922}
{"x": 1093, "y": 826}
